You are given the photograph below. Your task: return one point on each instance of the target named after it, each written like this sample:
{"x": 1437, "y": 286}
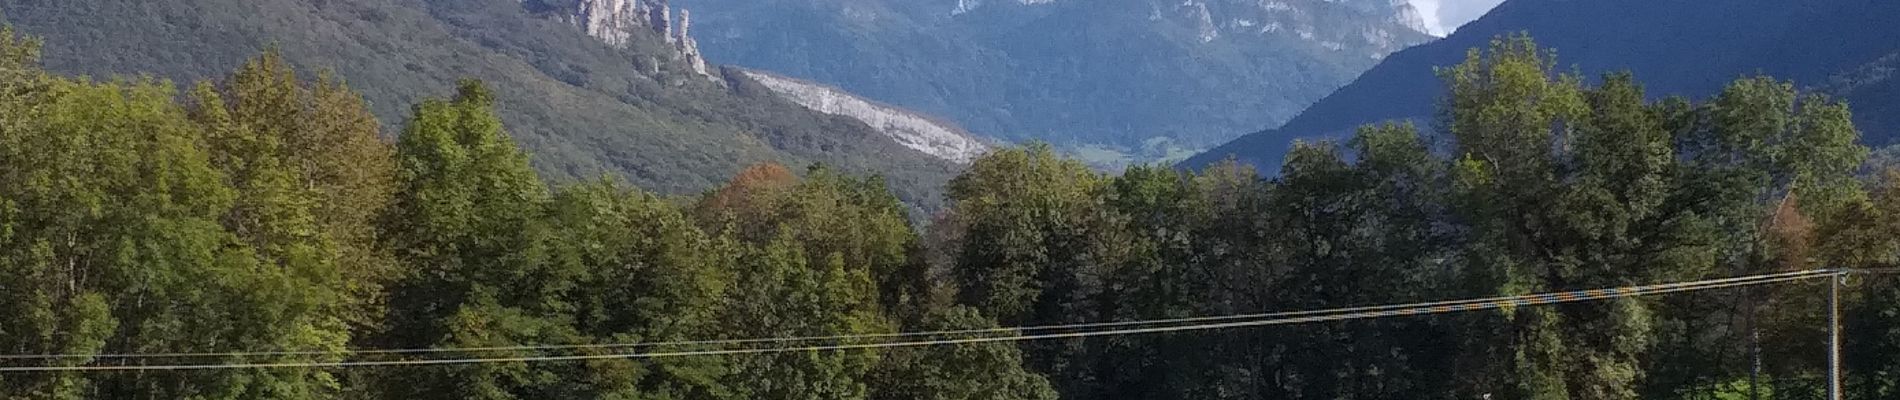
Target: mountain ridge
{"x": 1717, "y": 42}
{"x": 1116, "y": 72}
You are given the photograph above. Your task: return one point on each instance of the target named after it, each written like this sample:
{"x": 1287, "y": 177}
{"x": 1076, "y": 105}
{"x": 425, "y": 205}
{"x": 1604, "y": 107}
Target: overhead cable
{"x": 1316, "y": 316}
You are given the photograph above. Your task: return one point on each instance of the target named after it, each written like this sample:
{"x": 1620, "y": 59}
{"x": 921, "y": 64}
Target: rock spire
{"x": 614, "y": 21}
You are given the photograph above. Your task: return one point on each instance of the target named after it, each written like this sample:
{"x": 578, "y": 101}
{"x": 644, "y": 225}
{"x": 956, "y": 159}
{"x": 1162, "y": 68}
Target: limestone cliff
{"x": 610, "y": 21}
{"x": 615, "y": 21}
{"x": 688, "y": 47}
{"x": 1409, "y": 16}
{"x": 910, "y": 129}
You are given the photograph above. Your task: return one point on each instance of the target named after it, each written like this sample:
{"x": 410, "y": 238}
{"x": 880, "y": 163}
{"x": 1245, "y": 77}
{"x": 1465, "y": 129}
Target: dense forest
{"x": 265, "y": 212}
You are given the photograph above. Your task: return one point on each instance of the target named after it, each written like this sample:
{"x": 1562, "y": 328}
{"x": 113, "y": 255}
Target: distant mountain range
{"x": 1685, "y": 47}
{"x": 1121, "y": 75}
{"x": 590, "y": 88}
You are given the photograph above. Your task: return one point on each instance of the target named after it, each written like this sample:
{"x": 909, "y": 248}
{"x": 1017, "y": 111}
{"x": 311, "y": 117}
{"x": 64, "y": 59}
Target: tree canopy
{"x": 266, "y": 214}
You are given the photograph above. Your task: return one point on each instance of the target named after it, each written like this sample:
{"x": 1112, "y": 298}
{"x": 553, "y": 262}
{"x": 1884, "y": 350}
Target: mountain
{"x": 1874, "y": 91}
{"x": 589, "y": 87}
{"x": 919, "y": 132}
{"x": 1120, "y": 74}
{"x": 1676, "y": 47}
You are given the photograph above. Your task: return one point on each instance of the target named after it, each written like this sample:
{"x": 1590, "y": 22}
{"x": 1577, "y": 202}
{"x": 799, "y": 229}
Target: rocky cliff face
{"x": 1372, "y": 26}
{"x": 942, "y": 140}
{"x": 615, "y": 21}
{"x": 1382, "y": 26}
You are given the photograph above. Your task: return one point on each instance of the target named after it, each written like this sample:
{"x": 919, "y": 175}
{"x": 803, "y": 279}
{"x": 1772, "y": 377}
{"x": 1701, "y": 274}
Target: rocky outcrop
{"x": 615, "y": 21}
{"x": 1381, "y": 26}
{"x": 1409, "y": 16}
{"x": 964, "y": 6}
{"x": 910, "y": 129}
{"x": 687, "y": 47}
{"x": 610, "y": 21}
{"x": 1203, "y": 21}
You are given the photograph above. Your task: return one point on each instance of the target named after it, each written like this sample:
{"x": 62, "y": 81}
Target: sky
{"x": 1447, "y": 15}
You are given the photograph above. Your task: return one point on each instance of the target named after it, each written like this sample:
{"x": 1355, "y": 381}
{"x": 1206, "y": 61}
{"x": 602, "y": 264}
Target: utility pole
{"x": 1834, "y": 335}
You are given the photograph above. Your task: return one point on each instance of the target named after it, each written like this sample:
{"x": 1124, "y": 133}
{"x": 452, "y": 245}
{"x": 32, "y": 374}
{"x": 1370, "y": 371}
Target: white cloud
{"x": 1428, "y": 11}
{"x": 1446, "y": 16}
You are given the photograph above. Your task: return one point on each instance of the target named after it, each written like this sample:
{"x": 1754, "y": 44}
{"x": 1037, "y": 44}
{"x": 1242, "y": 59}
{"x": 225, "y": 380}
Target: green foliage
{"x": 468, "y": 221}
{"x": 822, "y": 256}
{"x": 992, "y": 371}
{"x": 1026, "y": 216}
{"x": 781, "y": 291}
{"x": 1353, "y": 234}
{"x": 262, "y": 213}
{"x": 112, "y": 211}
{"x": 579, "y": 107}
{"x": 1566, "y": 187}
{"x": 1550, "y": 184}
{"x": 650, "y": 276}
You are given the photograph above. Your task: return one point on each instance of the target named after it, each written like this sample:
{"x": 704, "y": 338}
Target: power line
{"x": 1515, "y": 301}
{"x": 1034, "y": 328}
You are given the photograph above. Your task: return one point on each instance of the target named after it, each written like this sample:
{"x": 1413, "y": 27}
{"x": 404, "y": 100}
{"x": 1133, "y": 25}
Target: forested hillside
{"x": 580, "y": 107}
{"x": 256, "y": 236}
{"x": 1681, "y": 47}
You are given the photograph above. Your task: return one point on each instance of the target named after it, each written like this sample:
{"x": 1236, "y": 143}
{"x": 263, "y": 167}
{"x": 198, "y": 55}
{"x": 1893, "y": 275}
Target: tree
{"x": 1154, "y": 216}
{"x": 1351, "y": 234}
{"x": 828, "y": 213}
{"x": 1867, "y": 235}
{"x": 652, "y": 277}
{"x": 1762, "y": 156}
{"x": 988, "y": 371}
{"x": 780, "y": 292}
{"x": 819, "y": 253}
{"x": 1564, "y": 187}
{"x": 110, "y": 211}
{"x": 1026, "y": 217}
{"x": 469, "y": 223}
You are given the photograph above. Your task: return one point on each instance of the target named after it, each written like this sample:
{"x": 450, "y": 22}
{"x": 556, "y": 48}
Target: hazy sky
{"x": 1447, "y": 15}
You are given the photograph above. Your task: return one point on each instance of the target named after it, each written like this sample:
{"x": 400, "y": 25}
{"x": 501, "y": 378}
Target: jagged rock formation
{"x": 609, "y": 20}
{"x": 910, "y": 129}
{"x": 1411, "y": 17}
{"x": 687, "y": 47}
{"x": 614, "y": 21}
